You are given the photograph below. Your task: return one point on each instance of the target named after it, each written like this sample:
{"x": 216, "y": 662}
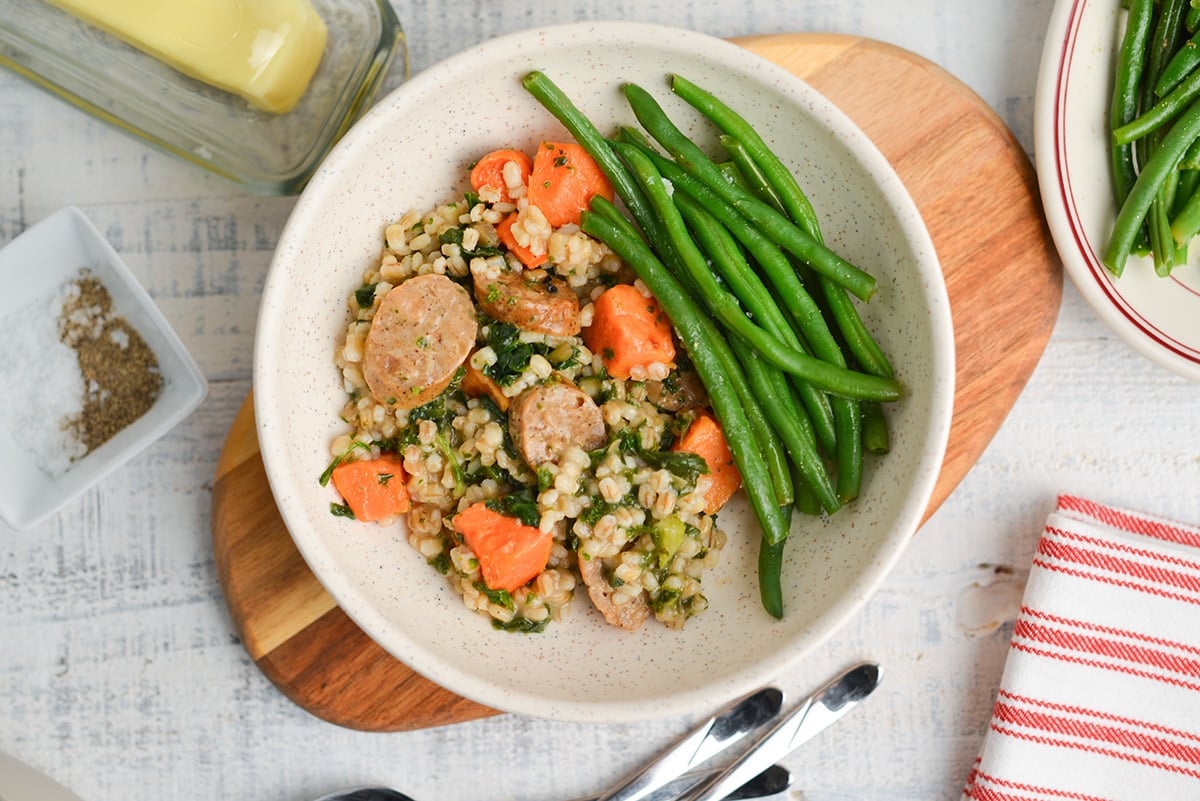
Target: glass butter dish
{"x": 272, "y": 154}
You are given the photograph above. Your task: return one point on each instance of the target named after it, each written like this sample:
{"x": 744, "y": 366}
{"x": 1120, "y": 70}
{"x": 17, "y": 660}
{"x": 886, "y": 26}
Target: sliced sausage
{"x": 422, "y": 332}
{"x": 545, "y": 419}
{"x": 628, "y": 615}
{"x": 681, "y": 390}
{"x": 546, "y": 306}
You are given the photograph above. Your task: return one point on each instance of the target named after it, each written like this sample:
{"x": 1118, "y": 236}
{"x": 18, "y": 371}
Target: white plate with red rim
{"x": 1159, "y": 317}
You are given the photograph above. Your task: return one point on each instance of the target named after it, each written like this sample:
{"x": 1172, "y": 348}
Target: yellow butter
{"x": 263, "y": 50}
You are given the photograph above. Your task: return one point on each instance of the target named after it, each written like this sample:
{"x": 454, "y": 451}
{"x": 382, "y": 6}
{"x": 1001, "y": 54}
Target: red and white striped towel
{"x": 1100, "y": 697}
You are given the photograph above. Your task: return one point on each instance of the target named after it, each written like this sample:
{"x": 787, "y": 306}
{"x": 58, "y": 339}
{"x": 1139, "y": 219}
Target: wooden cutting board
{"x": 977, "y": 191}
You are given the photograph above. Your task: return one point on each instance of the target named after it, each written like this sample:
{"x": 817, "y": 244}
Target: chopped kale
{"x": 521, "y": 625}
{"x": 498, "y": 597}
{"x": 520, "y": 504}
{"x": 629, "y": 440}
{"x": 441, "y": 563}
{"x": 493, "y": 408}
{"x": 441, "y": 411}
{"x": 512, "y": 355}
{"x": 483, "y": 251}
{"x": 664, "y": 599}
{"x": 600, "y": 507}
{"x": 364, "y": 296}
{"x": 687, "y": 466}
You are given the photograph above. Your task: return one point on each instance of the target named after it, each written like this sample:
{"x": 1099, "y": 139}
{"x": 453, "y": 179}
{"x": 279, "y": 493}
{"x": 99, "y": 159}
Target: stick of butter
{"x": 266, "y": 51}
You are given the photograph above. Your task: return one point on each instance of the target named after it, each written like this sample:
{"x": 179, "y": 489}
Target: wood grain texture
{"x": 300, "y": 639}
{"x": 977, "y": 192}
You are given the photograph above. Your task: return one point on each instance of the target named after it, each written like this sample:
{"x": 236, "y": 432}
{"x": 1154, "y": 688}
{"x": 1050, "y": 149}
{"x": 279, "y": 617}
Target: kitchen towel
{"x": 1100, "y": 696}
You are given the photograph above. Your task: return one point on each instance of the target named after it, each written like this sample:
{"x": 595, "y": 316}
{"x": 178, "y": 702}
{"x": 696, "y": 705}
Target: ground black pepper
{"x": 120, "y": 372}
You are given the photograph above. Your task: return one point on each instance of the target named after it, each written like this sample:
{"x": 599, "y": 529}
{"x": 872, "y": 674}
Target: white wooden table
{"x": 121, "y": 675}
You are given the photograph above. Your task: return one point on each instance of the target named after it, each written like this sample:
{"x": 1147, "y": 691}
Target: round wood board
{"x": 977, "y": 192}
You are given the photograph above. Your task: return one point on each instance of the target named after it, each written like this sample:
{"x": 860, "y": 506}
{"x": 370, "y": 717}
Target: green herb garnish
{"x": 520, "y": 504}
{"x": 364, "y": 296}
{"x": 323, "y": 479}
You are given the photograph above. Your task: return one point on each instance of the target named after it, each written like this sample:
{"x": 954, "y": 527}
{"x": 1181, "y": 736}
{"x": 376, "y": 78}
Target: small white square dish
{"x": 61, "y": 428}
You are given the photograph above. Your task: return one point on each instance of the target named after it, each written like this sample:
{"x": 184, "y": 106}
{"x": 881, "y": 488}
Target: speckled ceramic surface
{"x": 412, "y": 151}
{"x": 1158, "y": 317}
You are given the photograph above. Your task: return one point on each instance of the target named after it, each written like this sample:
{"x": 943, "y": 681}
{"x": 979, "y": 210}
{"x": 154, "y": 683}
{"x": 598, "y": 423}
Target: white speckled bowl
{"x": 412, "y": 151}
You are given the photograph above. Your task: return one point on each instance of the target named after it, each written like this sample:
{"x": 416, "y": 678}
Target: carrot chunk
{"x": 476, "y": 384}
{"x": 705, "y": 438}
{"x": 510, "y": 553}
{"x": 563, "y": 182}
{"x": 374, "y": 489}
{"x": 629, "y": 330}
{"x": 488, "y": 172}
{"x": 525, "y": 255}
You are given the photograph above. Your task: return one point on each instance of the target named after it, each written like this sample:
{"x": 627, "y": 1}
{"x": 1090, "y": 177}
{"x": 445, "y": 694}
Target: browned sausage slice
{"x": 545, "y": 419}
{"x": 682, "y": 390}
{"x": 629, "y": 615}
{"x": 422, "y": 332}
{"x": 542, "y": 306}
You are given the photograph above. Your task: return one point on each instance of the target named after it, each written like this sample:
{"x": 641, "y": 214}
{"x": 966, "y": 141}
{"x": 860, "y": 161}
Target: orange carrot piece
{"x": 563, "y": 182}
{"x": 510, "y": 553}
{"x": 476, "y": 384}
{"x": 705, "y": 438}
{"x": 525, "y": 255}
{"x": 489, "y": 171}
{"x": 374, "y": 489}
{"x": 629, "y": 330}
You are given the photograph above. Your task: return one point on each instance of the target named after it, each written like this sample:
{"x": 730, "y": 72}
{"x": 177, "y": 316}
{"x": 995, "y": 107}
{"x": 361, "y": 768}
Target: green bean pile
{"x": 733, "y": 253}
{"x": 1154, "y": 119}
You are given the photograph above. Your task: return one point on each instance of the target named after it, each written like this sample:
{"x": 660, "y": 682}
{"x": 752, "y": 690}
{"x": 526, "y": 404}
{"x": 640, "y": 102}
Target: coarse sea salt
{"x": 43, "y": 388}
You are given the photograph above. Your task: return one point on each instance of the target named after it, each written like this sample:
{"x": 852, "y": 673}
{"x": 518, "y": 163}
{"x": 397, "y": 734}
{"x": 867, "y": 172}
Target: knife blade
{"x": 20, "y": 782}
{"x": 725, "y": 728}
{"x": 815, "y": 713}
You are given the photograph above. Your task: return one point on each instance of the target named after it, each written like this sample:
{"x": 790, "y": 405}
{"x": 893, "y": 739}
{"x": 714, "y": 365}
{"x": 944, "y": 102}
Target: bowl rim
{"x": 690, "y": 699}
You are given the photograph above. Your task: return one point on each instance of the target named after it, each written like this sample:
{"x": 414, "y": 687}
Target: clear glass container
{"x": 273, "y": 154}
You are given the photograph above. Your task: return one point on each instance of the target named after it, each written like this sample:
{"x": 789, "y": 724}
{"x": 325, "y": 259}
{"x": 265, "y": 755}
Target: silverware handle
{"x": 825, "y": 706}
{"x": 714, "y": 735}
{"x": 772, "y": 781}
